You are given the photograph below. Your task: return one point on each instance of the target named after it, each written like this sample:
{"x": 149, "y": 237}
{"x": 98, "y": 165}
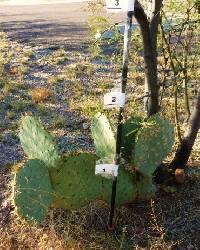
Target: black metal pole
{"x": 127, "y": 36}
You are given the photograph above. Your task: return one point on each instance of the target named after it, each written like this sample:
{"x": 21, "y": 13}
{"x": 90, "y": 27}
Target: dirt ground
{"x": 49, "y": 23}
{"x": 168, "y": 221}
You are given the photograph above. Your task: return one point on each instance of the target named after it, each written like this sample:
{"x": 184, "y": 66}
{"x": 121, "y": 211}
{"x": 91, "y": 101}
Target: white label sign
{"x": 120, "y": 5}
{"x": 107, "y": 170}
{"x": 114, "y": 99}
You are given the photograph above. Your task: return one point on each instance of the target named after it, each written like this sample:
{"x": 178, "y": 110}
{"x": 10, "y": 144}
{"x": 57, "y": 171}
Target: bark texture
{"x": 149, "y": 30}
{"x": 183, "y": 153}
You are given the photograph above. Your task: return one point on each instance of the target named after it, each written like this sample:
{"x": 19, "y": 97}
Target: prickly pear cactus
{"x": 69, "y": 181}
{"x": 129, "y": 131}
{"x": 76, "y": 185}
{"x": 37, "y": 142}
{"x": 146, "y": 188}
{"x": 104, "y": 139}
{"x": 33, "y": 193}
{"x": 154, "y": 142}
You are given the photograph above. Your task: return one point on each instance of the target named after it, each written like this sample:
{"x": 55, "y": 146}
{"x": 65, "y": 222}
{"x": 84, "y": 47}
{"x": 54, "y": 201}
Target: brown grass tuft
{"x": 40, "y": 95}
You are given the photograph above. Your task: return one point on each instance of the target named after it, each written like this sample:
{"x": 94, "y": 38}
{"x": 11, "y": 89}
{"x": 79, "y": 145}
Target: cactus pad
{"x": 129, "y": 131}
{"x": 146, "y": 188}
{"x": 37, "y": 142}
{"x": 154, "y": 142}
{"x": 104, "y": 139}
{"x": 33, "y": 193}
{"x": 76, "y": 184}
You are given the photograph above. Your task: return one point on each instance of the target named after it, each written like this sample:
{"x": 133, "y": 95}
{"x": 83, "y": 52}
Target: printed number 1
{"x": 117, "y": 3}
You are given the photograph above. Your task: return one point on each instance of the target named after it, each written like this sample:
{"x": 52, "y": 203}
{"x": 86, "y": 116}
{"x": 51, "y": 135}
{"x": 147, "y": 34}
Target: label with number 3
{"x": 120, "y": 5}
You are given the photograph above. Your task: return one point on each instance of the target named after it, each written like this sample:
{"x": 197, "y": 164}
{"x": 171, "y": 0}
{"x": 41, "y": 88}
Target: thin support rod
{"x": 127, "y": 38}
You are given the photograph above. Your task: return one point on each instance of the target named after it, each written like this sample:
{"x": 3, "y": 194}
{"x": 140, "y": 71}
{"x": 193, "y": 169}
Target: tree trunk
{"x": 149, "y": 30}
{"x": 183, "y": 153}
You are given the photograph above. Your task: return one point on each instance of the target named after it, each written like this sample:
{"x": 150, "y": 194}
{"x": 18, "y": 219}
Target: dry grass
{"x": 2, "y": 97}
{"x": 40, "y": 95}
{"x": 75, "y": 71}
{"x": 88, "y": 106}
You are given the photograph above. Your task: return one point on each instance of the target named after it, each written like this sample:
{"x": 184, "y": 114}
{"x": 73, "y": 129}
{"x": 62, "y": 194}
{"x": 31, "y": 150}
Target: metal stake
{"x": 127, "y": 36}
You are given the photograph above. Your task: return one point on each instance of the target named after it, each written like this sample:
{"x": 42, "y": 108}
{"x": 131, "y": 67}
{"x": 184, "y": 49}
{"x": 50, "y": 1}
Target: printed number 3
{"x": 116, "y": 2}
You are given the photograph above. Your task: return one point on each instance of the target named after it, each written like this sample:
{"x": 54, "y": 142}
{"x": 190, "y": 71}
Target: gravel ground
{"x": 46, "y": 24}
{"x": 74, "y": 130}
{"x": 41, "y": 29}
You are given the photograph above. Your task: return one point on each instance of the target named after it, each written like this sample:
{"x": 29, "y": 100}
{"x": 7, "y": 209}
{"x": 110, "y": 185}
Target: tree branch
{"x": 155, "y": 20}
{"x": 140, "y": 14}
{"x": 183, "y": 153}
{"x": 151, "y": 86}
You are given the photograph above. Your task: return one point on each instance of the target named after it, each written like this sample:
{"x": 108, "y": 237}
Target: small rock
{"x": 85, "y": 126}
{"x": 180, "y": 176}
{"x": 190, "y": 247}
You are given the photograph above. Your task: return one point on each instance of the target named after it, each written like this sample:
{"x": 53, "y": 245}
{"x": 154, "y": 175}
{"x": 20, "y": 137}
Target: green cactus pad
{"x": 37, "y": 142}
{"x": 146, "y": 188}
{"x": 104, "y": 139}
{"x": 129, "y": 131}
{"x": 76, "y": 184}
{"x": 33, "y": 193}
{"x": 154, "y": 142}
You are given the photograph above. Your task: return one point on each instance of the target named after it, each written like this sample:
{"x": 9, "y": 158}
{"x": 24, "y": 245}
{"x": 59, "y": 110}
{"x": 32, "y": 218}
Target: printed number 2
{"x": 116, "y": 2}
